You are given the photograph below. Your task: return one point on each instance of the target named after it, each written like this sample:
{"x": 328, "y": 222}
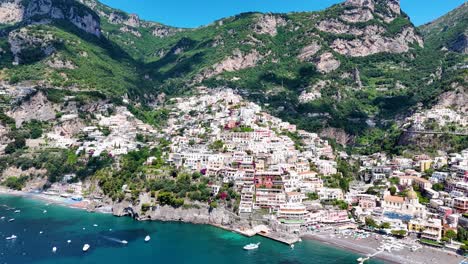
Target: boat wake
{"x": 113, "y": 239}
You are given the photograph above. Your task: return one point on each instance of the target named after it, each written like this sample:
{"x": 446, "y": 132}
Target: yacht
{"x": 147, "y": 238}
{"x": 251, "y": 246}
{"x": 85, "y": 247}
{"x": 125, "y": 242}
{"x": 11, "y": 237}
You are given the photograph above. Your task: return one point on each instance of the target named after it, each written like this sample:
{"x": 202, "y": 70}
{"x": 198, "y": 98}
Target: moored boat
{"x": 147, "y": 238}
{"x": 86, "y": 247}
{"x": 11, "y": 237}
{"x": 251, "y": 246}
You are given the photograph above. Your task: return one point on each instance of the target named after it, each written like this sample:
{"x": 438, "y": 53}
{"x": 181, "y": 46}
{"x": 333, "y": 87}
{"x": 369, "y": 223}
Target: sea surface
{"x": 170, "y": 242}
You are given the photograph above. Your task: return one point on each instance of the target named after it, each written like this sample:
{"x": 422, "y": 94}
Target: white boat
{"x": 11, "y": 220}
{"x": 40, "y": 232}
{"x": 68, "y": 241}
{"x": 85, "y": 247}
{"x": 11, "y": 237}
{"x": 251, "y": 246}
{"x": 292, "y": 246}
{"x": 17, "y": 211}
{"x": 45, "y": 211}
{"x": 147, "y": 238}
{"x": 95, "y": 225}
{"x": 54, "y": 249}
{"x": 125, "y": 242}
{"x": 2, "y": 217}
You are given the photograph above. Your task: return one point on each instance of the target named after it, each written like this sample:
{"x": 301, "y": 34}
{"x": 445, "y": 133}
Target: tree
{"x": 216, "y": 145}
{"x": 462, "y": 234}
{"x": 399, "y": 233}
{"x": 392, "y": 190}
{"x": 438, "y": 187}
{"x": 450, "y": 234}
{"x": 370, "y": 222}
{"x": 145, "y": 207}
{"x": 385, "y": 225}
{"x": 312, "y": 196}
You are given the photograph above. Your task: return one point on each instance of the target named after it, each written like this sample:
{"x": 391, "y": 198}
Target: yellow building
{"x": 429, "y": 229}
{"x": 425, "y": 165}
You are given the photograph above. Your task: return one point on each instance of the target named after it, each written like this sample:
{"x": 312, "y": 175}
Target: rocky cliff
{"x": 201, "y": 214}
{"x": 14, "y": 11}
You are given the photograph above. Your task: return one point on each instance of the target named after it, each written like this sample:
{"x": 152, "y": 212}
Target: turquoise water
{"x": 170, "y": 242}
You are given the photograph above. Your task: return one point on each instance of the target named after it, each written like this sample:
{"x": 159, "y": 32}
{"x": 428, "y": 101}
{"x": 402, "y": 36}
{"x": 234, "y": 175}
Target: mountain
{"x": 351, "y": 72}
{"x": 449, "y": 31}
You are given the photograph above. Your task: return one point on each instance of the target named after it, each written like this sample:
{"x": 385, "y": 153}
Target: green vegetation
{"x": 144, "y": 66}
{"x": 312, "y": 196}
{"x": 15, "y": 183}
{"x": 370, "y": 222}
{"x": 430, "y": 242}
{"x": 399, "y": 233}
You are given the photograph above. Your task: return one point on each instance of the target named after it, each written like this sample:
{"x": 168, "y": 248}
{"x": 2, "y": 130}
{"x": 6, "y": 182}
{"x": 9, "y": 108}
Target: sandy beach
{"x": 54, "y": 199}
{"x": 369, "y": 245}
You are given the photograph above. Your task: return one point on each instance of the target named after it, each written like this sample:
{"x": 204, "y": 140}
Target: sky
{"x": 195, "y": 13}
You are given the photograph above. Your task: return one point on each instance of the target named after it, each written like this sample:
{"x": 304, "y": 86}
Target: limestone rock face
{"x": 58, "y": 63}
{"x": 23, "y": 39}
{"x": 133, "y": 21}
{"x": 361, "y": 3}
{"x": 327, "y": 63}
{"x": 11, "y": 12}
{"x": 37, "y": 107}
{"x": 309, "y": 51}
{"x": 357, "y": 15}
{"x": 372, "y": 44}
{"x": 394, "y": 5}
{"x": 163, "y": 31}
{"x": 336, "y": 27}
{"x": 268, "y": 24}
{"x": 14, "y": 11}
{"x": 130, "y": 30}
{"x": 237, "y": 61}
{"x": 88, "y": 22}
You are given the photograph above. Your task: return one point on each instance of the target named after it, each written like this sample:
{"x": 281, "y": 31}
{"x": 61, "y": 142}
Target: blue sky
{"x": 194, "y": 13}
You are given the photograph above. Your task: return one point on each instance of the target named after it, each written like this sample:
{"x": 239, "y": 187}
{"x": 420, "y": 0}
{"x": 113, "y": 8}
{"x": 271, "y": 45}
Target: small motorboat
{"x": 44, "y": 212}
{"x": 68, "y": 241}
{"x": 85, "y": 247}
{"x": 17, "y": 211}
{"x": 2, "y": 217}
{"x": 147, "y": 238}
{"x": 40, "y": 232}
{"x": 11, "y": 220}
{"x": 292, "y": 246}
{"x": 11, "y": 237}
{"x": 95, "y": 225}
{"x": 54, "y": 249}
{"x": 251, "y": 246}
{"x": 125, "y": 242}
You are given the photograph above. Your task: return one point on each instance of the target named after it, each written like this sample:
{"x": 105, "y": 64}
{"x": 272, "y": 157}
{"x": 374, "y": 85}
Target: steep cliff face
{"x": 11, "y": 12}
{"x": 14, "y": 11}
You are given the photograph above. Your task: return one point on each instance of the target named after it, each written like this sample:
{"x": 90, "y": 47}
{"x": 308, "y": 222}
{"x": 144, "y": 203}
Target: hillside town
{"x": 290, "y": 179}
{"x": 288, "y": 173}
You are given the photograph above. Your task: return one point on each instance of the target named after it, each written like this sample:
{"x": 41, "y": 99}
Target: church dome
{"x": 412, "y": 194}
